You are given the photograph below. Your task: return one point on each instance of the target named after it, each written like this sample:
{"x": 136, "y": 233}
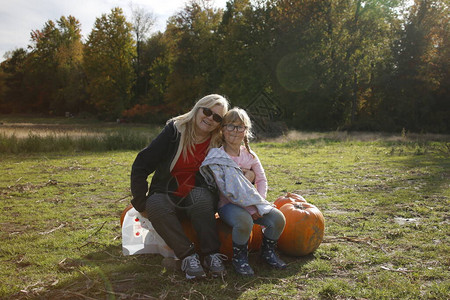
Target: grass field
{"x": 385, "y": 203}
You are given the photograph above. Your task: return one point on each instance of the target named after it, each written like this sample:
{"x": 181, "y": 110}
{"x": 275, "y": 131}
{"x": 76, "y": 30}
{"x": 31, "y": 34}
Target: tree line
{"x": 329, "y": 64}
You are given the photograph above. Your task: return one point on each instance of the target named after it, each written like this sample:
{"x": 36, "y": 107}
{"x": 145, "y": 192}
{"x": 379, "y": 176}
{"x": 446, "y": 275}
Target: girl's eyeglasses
{"x": 208, "y": 112}
{"x": 231, "y": 127}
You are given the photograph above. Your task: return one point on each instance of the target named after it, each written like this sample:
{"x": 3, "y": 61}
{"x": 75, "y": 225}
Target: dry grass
{"x": 294, "y": 135}
{"x": 24, "y": 130}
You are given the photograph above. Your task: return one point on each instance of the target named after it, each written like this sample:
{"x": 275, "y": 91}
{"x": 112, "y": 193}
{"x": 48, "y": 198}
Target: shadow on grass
{"x": 107, "y": 274}
{"x": 434, "y": 170}
{"x": 425, "y": 178}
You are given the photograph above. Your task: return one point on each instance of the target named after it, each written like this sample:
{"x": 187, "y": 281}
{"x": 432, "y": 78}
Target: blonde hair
{"x": 186, "y": 123}
{"x": 237, "y": 114}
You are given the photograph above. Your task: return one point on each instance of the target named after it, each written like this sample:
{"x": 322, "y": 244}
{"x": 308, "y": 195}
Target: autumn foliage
{"x": 329, "y": 64}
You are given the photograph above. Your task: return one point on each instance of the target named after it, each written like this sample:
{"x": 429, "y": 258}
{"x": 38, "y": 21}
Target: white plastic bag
{"x": 139, "y": 236}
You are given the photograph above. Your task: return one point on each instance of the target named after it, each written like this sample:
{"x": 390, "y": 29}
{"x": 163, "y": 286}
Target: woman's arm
{"x": 249, "y": 174}
{"x": 146, "y": 162}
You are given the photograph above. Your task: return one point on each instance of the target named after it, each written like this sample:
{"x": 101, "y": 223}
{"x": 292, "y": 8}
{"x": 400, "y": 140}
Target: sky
{"x": 19, "y": 17}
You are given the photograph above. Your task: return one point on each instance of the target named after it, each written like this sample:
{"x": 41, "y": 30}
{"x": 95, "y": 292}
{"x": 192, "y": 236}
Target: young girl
{"x": 240, "y": 205}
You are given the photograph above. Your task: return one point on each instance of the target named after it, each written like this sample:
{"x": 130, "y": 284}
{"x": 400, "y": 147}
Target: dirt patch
{"x": 26, "y": 187}
{"x": 406, "y": 221}
{"x": 335, "y": 212}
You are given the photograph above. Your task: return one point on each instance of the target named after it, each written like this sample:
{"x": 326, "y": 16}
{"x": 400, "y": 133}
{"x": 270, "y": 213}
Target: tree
{"x": 419, "y": 98}
{"x": 194, "y": 71}
{"x": 12, "y": 89}
{"x": 41, "y": 71}
{"x": 245, "y": 48}
{"x": 71, "y": 90}
{"x": 326, "y": 53}
{"x": 54, "y": 76}
{"x": 157, "y": 60}
{"x": 142, "y": 22}
{"x": 361, "y": 43}
{"x": 108, "y": 62}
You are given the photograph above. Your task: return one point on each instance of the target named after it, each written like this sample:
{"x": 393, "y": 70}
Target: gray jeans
{"x": 200, "y": 208}
{"x": 242, "y": 223}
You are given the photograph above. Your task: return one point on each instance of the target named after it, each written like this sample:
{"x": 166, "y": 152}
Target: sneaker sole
{"x": 218, "y": 274}
{"x": 215, "y": 274}
{"x": 244, "y": 274}
{"x": 190, "y": 277}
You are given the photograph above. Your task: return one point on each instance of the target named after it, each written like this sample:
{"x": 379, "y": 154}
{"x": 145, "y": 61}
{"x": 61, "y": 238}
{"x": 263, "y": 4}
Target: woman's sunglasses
{"x": 208, "y": 112}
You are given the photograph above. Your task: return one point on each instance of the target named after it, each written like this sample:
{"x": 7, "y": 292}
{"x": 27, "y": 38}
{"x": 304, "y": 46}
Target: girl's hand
{"x": 249, "y": 174}
{"x": 256, "y": 216}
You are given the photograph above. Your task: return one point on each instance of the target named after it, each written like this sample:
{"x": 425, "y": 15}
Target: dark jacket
{"x": 156, "y": 157}
{"x": 159, "y": 157}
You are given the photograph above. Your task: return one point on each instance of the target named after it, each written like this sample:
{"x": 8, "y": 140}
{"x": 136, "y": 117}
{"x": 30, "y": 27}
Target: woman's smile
{"x": 206, "y": 124}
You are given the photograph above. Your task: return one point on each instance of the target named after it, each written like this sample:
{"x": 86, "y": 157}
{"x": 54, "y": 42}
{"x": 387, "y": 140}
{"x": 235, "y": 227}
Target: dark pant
{"x": 200, "y": 207}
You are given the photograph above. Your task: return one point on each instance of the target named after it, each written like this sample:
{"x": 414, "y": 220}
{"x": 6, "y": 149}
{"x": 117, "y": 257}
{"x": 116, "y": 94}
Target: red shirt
{"x": 187, "y": 167}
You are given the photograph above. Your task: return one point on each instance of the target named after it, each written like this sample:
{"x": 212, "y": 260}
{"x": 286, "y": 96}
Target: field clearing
{"x": 64, "y": 127}
{"x": 385, "y": 203}
{"x": 24, "y": 130}
{"x": 45, "y": 137}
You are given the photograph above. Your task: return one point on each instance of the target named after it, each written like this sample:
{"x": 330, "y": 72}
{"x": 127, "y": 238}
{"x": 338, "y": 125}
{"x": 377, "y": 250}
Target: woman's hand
{"x": 249, "y": 174}
{"x": 256, "y": 216}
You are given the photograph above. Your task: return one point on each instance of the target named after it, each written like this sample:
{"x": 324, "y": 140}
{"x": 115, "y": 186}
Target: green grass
{"x": 385, "y": 205}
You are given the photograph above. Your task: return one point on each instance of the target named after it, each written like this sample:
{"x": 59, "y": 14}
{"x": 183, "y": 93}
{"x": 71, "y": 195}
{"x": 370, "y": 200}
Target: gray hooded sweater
{"x": 220, "y": 171}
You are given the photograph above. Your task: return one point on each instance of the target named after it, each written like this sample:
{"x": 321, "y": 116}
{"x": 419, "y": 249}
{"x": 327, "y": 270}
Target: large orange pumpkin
{"x": 122, "y": 216}
{"x": 304, "y": 229}
{"x": 224, "y": 231}
{"x": 226, "y": 242}
{"x": 297, "y": 197}
{"x": 254, "y": 244}
{"x": 288, "y": 198}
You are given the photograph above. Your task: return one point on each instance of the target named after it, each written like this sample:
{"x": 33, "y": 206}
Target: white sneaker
{"x": 192, "y": 267}
{"x": 214, "y": 264}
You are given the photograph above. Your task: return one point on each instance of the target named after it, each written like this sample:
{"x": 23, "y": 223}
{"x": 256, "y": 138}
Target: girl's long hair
{"x": 237, "y": 114}
{"x": 186, "y": 122}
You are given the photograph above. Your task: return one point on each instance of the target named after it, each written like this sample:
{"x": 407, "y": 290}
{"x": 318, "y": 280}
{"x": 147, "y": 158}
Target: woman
{"x": 175, "y": 156}
{"x": 241, "y": 204}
